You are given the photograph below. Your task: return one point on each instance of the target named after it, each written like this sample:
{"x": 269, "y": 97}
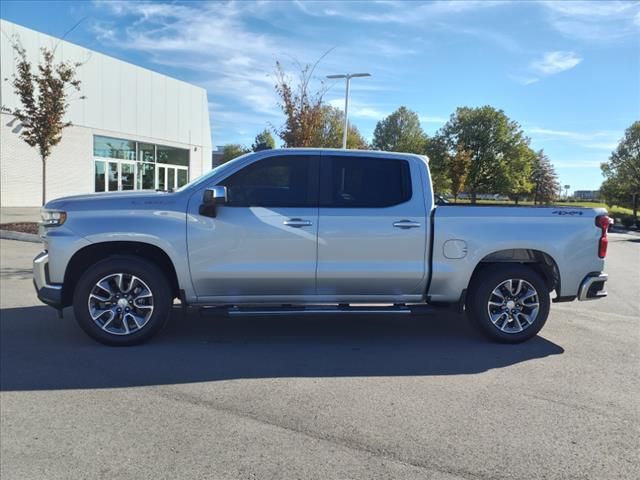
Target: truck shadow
{"x": 41, "y": 352}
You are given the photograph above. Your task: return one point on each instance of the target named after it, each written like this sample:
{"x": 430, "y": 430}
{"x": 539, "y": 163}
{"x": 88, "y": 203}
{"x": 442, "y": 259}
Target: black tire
{"x": 151, "y": 276}
{"x": 481, "y": 293}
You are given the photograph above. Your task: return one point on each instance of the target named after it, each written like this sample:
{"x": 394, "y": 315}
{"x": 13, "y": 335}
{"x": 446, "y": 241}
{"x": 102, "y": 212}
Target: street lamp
{"x": 348, "y": 77}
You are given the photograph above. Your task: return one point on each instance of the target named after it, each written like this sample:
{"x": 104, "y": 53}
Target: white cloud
{"x": 551, "y": 63}
{"x": 429, "y": 119}
{"x": 598, "y": 140}
{"x": 593, "y": 20}
{"x": 393, "y": 12}
{"x": 555, "y": 62}
{"x": 588, "y": 164}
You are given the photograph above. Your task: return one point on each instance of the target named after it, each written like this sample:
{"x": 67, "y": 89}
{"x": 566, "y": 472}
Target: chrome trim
{"x": 40, "y": 273}
{"x": 47, "y": 293}
{"x": 586, "y": 284}
{"x": 220, "y": 194}
{"x": 404, "y": 224}
{"x": 297, "y": 223}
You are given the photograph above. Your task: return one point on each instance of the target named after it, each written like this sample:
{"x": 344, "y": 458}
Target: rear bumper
{"x": 47, "y": 293}
{"x": 592, "y": 287}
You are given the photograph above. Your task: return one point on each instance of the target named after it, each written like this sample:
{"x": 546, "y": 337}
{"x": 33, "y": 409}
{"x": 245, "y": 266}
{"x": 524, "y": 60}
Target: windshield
{"x": 220, "y": 168}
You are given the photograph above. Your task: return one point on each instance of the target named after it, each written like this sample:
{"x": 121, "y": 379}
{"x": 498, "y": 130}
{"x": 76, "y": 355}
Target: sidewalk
{"x": 19, "y": 214}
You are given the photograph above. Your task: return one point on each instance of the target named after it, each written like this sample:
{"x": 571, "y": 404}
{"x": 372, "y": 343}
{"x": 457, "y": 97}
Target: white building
{"x": 136, "y": 129}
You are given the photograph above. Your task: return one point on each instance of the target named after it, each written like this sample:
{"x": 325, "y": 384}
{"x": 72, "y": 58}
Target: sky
{"x": 567, "y": 72}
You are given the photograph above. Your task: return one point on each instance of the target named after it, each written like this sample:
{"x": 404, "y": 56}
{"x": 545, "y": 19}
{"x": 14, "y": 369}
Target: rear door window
{"x": 364, "y": 182}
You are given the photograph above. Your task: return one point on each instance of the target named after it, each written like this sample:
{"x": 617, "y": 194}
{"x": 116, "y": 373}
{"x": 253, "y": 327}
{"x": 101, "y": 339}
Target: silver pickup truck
{"x": 313, "y": 231}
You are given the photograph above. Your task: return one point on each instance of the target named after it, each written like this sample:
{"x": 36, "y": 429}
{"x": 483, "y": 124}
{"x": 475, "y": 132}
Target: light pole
{"x": 347, "y": 77}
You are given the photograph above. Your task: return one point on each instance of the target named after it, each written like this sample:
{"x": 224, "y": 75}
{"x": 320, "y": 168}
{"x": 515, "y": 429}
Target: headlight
{"x": 53, "y": 218}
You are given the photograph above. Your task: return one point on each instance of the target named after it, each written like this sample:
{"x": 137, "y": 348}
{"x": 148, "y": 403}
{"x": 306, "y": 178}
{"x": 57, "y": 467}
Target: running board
{"x": 319, "y": 310}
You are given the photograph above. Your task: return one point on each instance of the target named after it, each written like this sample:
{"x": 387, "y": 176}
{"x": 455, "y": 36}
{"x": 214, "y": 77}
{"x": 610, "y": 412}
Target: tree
{"x": 436, "y": 151}
{"x": 501, "y": 160}
{"x": 43, "y": 97}
{"x": 544, "y": 179}
{"x": 400, "y": 132}
{"x": 329, "y": 132}
{"x": 301, "y": 107}
{"x": 516, "y": 172}
{"x": 264, "y": 141}
{"x": 231, "y": 151}
{"x": 622, "y": 171}
{"x": 458, "y": 170}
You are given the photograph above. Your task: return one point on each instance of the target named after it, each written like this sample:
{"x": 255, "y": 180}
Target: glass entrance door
{"x": 170, "y": 177}
{"x": 113, "y": 176}
{"x": 127, "y": 176}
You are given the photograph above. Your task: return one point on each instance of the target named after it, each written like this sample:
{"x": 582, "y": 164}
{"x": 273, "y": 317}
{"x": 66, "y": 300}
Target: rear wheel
{"x": 122, "y": 300}
{"x": 509, "y": 303}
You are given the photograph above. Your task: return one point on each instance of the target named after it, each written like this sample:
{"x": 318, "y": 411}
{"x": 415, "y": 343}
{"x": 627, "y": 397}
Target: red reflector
{"x": 602, "y": 249}
{"x": 603, "y": 223}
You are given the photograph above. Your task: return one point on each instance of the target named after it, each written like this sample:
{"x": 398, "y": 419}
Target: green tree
{"x": 329, "y": 132}
{"x": 501, "y": 160}
{"x": 301, "y": 106}
{"x": 622, "y": 171}
{"x": 263, "y": 141}
{"x": 458, "y": 170}
{"x": 436, "y": 151}
{"x": 400, "y": 132}
{"x": 43, "y": 97}
{"x": 231, "y": 151}
{"x": 517, "y": 170}
{"x": 544, "y": 179}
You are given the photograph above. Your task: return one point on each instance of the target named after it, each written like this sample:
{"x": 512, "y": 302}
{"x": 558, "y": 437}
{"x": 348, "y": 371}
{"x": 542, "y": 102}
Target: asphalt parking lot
{"x": 322, "y": 398}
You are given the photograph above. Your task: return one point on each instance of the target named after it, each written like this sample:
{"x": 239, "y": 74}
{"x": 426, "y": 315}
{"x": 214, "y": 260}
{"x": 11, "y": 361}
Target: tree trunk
{"x": 635, "y": 208}
{"x": 473, "y": 197}
{"x": 517, "y": 198}
{"x": 44, "y": 181}
{"x": 455, "y": 198}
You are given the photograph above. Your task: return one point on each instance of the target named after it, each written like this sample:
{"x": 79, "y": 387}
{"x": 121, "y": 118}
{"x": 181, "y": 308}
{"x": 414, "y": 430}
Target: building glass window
{"x": 122, "y": 164}
{"x": 100, "y": 176}
{"x": 107, "y": 147}
{"x": 146, "y": 152}
{"x": 173, "y": 156}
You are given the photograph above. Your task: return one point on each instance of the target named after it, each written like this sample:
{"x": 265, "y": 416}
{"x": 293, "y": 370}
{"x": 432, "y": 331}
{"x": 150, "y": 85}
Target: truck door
{"x": 372, "y": 227}
{"x": 263, "y": 241}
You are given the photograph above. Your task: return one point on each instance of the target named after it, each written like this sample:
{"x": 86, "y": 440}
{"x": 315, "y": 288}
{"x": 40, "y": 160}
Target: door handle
{"x": 405, "y": 224}
{"x": 297, "y": 223}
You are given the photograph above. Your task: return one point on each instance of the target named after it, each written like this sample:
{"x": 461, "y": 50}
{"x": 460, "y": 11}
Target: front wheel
{"x": 122, "y": 300}
{"x": 509, "y": 303}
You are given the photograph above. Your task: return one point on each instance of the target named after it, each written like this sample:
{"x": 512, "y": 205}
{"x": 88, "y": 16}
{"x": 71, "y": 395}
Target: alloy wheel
{"x": 513, "y": 305}
{"x": 120, "y": 304}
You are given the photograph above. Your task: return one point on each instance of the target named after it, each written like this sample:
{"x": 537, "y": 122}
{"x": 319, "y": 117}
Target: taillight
{"x": 602, "y": 222}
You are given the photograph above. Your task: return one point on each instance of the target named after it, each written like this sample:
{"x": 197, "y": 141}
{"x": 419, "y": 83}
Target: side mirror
{"x": 211, "y": 198}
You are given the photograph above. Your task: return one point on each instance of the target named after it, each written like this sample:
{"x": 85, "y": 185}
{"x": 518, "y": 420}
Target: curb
{"x": 20, "y": 236}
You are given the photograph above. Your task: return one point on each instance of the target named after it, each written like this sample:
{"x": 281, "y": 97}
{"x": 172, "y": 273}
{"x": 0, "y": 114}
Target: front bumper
{"x": 592, "y": 287}
{"x": 47, "y": 293}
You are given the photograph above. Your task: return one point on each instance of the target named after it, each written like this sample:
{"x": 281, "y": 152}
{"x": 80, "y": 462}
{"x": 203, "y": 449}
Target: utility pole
{"x": 347, "y": 77}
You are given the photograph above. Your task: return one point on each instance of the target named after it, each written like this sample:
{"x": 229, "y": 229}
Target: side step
{"x": 319, "y": 310}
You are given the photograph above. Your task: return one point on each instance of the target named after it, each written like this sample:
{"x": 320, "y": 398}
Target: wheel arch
{"x": 99, "y": 251}
{"x": 541, "y": 262}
